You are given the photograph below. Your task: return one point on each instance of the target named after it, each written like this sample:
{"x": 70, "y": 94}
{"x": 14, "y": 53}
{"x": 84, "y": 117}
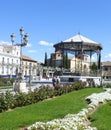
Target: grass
{"x": 46, "y": 110}
{"x": 102, "y": 117}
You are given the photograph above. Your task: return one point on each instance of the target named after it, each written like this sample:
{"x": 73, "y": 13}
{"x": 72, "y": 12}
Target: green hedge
{"x": 6, "y": 81}
{"x": 10, "y": 101}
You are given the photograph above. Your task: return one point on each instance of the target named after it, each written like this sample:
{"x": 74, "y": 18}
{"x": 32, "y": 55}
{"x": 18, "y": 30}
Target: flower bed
{"x": 75, "y": 121}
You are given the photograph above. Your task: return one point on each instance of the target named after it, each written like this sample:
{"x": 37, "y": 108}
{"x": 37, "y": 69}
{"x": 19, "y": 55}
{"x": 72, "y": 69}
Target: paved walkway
{"x": 34, "y": 85}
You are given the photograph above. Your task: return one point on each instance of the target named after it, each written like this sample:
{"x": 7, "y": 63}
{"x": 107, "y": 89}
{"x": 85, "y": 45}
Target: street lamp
{"x": 12, "y": 38}
{"x": 24, "y": 41}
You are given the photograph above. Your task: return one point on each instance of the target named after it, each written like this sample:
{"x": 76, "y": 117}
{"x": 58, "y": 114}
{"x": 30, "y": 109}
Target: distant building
{"x": 30, "y": 67}
{"x": 76, "y": 63}
{"x": 106, "y": 70}
{"x": 56, "y": 59}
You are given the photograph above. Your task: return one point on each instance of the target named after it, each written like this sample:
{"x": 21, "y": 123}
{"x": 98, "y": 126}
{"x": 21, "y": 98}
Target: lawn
{"x": 102, "y": 117}
{"x": 46, "y": 110}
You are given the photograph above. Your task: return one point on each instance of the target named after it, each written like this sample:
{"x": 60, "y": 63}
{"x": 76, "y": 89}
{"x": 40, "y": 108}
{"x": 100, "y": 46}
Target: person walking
{"x": 54, "y": 81}
{"x": 57, "y": 80}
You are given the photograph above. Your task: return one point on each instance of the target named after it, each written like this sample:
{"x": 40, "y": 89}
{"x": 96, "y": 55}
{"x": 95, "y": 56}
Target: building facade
{"x": 80, "y": 64}
{"x": 10, "y": 63}
{"x": 9, "y": 60}
{"x": 30, "y": 68}
{"x": 56, "y": 59}
{"x": 106, "y": 70}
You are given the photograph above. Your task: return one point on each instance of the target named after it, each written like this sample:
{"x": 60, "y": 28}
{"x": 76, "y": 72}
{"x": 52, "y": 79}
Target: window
{"x": 85, "y": 66}
{"x": 3, "y": 60}
{"x": 11, "y": 69}
{"x": 106, "y": 69}
{"x": 25, "y": 72}
{"x": 2, "y": 69}
{"x": 7, "y": 69}
{"x": 7, "y": 60}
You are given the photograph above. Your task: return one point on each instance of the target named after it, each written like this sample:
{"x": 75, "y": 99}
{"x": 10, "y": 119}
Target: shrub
{"x": 6, "y": 81}
{"x": 107, "y": 85}
{"x": 6, "y": 101}
{"x": 10, "y": 101}
{"x": 79, "y": 85}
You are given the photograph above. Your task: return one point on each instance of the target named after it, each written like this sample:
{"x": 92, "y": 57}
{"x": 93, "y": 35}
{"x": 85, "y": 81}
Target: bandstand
{"x": 80, "y": 45}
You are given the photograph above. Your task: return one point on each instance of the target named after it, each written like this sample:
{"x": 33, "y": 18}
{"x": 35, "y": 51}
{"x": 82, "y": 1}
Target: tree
{"x": 45, "y": 60}
{"x": 51, "y": 62}
{"x": 65, "y": 61}
{"x": 94, "y": 67}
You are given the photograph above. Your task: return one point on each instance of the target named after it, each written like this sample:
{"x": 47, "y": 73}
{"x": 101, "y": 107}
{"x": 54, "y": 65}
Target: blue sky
{"x": 50, "y": 21}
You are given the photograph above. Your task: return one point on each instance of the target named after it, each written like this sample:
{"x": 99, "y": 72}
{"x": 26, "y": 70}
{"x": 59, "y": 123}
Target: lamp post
{"x": 23, "y": 42}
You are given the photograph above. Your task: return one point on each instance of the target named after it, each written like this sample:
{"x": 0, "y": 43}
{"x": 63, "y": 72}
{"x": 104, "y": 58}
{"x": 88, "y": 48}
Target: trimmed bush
{"x": 79, "y": 85}
{"x": 10, "y": 101}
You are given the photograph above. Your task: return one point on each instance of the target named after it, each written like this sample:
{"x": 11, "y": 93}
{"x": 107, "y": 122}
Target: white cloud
{"x": 9, "y": 43}
{"x": 108, "y": 56}
{"x": 44, "y": 43}
{"x": 32, "y": 51}
{"x": 5, "y": 43}
{"x": 29, "y": 45}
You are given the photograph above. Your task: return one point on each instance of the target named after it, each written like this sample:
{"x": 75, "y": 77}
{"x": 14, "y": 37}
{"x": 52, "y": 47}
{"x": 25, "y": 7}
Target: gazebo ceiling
{"x": 77, "y": 43}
